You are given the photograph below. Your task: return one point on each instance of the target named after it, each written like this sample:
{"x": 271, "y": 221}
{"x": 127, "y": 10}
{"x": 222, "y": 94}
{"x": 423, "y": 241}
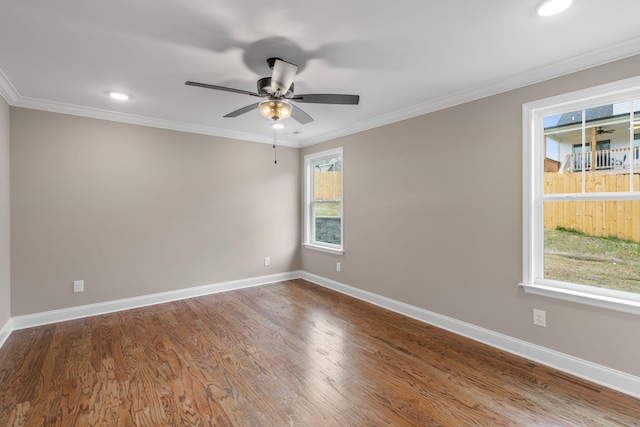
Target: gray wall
{"x": 433, "y": 218}
{"x": 5, "y": 279}
{"x": 135, "y": 210}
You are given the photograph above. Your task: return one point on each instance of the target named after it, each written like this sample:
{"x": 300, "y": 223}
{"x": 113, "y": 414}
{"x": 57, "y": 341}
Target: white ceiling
{"x": 403, "y": 58}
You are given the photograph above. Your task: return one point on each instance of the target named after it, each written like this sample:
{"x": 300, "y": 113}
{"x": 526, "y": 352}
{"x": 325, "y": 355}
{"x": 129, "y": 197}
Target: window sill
{"x": 601, "y": 301}
{"x": 323, "y": 249}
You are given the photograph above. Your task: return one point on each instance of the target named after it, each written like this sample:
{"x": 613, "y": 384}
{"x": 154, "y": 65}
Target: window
{"x": 323, "y": 201}
{"x": 581, "y": 223}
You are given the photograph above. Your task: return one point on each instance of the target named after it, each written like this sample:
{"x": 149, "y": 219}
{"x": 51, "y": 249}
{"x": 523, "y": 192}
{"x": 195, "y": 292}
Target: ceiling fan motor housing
{"x": 265, "y": 89}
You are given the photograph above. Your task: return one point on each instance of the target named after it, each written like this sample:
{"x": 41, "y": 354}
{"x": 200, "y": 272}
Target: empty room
{"x": 250, "y": 213}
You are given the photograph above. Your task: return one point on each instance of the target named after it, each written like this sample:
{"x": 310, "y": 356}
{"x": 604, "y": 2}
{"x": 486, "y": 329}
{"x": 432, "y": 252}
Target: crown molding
{"x": 578, "y": 63}
{"x": 572, "y": 65}
{"x": 114, "y": 116}
{"x": 7, "y": 91}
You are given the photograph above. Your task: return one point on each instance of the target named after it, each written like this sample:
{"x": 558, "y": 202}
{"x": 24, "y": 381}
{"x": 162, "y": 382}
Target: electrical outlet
{"x": 267, "y": 261}
{"x": 337, "y": 266}
{"x": 540, "y": 318}
{"x": 78, "y": 286}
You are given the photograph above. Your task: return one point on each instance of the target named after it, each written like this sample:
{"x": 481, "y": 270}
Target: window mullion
{"x": 584, "y": 153}
{"x": 631, "y": 145}
{"x": 582, "y": 197}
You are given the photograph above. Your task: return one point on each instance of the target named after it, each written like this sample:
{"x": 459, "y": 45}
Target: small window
{"x": 581, "y": 221}
{"x": 323, "y": 201}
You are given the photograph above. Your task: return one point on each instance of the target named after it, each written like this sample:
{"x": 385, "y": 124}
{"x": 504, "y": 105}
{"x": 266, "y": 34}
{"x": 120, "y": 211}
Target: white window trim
{"x": 532, "y": 205}
{"x": 308, "y": 194}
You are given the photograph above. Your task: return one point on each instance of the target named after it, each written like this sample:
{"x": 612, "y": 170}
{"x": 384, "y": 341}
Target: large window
{"x": 323, "y": 200}
{"x": 581, "y": 220}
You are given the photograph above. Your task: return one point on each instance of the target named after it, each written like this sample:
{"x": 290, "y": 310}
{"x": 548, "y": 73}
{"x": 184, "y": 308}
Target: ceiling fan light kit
{"x": 274, "y": 109}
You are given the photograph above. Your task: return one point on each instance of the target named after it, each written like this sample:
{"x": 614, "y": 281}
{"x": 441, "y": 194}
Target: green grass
{"x": 328, "y": 209}
{"x": 606, "y": 262}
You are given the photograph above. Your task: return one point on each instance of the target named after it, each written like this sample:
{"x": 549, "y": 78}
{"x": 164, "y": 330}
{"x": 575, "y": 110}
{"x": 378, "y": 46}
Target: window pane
{"x": 327, "y": 222}
{"x": 568, "y": 150}
{"x": 327, "y": 200}
{"x": 594, "y": 243}
{"x": 328, "y": 174}
{"x": 563, "y": 147}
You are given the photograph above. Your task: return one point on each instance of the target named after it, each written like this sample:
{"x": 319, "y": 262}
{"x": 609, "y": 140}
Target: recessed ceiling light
{"x": 278, "y": 125}
{"x": 119, "y": 96}
{"x": 552, "y": 7}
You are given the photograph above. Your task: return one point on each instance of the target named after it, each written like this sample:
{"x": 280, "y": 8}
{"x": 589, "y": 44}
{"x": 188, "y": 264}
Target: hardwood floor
{"x": 287, "y": 354}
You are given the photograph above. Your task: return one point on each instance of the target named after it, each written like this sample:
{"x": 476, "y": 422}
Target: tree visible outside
{"x": 605, "y": 262}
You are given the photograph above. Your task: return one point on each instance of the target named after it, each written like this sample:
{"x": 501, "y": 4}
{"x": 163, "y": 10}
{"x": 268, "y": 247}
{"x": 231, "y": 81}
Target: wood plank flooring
{"x": 287, "y": 354}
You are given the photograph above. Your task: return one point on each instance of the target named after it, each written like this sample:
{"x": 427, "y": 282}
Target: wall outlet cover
{"x": 540, "y": 318}
{"x": 78, "y": 286}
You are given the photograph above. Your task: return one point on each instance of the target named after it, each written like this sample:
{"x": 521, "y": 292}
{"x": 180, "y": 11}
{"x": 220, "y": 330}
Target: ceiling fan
{"x": 278, "y": 91}
{"x": 600, "y": 130}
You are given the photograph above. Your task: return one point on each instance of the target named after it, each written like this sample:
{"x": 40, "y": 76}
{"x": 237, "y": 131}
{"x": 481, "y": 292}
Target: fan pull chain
{"x": 275, "y": 153}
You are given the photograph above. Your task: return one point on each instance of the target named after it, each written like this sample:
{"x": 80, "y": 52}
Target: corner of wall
{"x": 5, "y": 331}
{"x": 5, "y": 231}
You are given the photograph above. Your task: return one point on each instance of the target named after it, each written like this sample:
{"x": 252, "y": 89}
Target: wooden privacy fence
{"x": 606, "y": 218}
{"x": 328, "y": 185}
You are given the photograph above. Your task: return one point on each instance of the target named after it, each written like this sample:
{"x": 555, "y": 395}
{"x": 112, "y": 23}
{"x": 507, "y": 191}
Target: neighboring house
{"x": 608, "y": 127}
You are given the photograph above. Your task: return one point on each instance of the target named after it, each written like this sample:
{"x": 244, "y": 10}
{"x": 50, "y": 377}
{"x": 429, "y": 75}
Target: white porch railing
{"x": 618, "y": 158}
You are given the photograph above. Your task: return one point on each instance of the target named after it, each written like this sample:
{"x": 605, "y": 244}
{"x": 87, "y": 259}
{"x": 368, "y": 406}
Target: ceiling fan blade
{"x": 300, "y": 116}
{"x": 282, "y": 75}
{"x": 242, "y": 110}
{"x": 328, "y": 99}
{"x": 226, "y": 89}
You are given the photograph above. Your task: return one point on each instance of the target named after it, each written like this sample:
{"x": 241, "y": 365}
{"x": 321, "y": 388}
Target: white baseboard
{"x": 54, "y": 316}
{"x": 595, "y": 373}
{"x": 5, "y": 331}
{"x": 598, "y": 374}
